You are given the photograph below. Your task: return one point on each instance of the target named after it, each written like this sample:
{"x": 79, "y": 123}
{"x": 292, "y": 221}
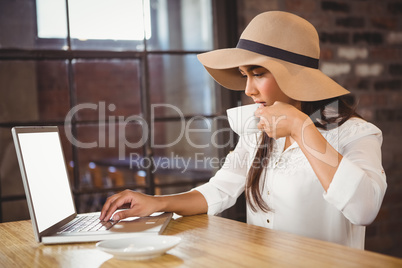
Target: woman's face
{"x": 261, "y": 86}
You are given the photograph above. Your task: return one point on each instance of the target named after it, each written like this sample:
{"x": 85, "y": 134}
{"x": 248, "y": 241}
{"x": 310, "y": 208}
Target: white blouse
{"x": 298, "y": 203}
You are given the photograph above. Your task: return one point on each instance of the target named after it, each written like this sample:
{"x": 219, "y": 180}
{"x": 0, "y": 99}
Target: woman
{"x": 315, "y": 168}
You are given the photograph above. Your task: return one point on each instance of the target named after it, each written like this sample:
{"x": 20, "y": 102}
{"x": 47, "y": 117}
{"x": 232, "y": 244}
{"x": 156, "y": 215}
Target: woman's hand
{"x": 280, "y": 120}
{"x": 141, "y": 205}
{"x": 137, "y": 204}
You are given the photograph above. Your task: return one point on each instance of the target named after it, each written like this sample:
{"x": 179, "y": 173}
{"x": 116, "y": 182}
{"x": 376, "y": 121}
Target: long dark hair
{"x": 326, "y": 114}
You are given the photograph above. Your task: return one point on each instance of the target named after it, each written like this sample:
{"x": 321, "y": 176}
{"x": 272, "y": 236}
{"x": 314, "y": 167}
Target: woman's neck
{"x": 288, "y": 141}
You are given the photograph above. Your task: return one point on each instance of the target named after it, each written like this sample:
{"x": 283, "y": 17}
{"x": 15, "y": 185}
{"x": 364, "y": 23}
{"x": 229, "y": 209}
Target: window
{"x": 122, "y": 82}
{"x": 94, "y": 19}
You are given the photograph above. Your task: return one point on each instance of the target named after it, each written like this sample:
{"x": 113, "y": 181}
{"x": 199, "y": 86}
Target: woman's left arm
{"x": 323, "y": 158}
{"x": 284, "y": 120}
{"x": 353, "y": 178}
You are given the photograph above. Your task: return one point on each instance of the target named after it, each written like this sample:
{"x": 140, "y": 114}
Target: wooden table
{"x": 207, "y": 241}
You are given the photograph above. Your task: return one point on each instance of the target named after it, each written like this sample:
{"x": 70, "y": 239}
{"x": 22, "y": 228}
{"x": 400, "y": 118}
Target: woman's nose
{"x": 250, "y": 90}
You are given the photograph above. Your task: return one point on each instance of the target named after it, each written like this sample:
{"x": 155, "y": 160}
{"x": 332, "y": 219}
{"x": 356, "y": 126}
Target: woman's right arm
{"x": 213, "y": 197}
{"x": 140, "y": 205}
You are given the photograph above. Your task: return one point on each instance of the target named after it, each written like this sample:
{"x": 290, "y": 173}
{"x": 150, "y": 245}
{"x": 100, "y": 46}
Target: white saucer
{"x": 139, "y": 248}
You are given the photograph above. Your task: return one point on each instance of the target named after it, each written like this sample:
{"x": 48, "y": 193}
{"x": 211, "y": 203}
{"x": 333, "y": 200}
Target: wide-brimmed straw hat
{"x": 285, "y": 44}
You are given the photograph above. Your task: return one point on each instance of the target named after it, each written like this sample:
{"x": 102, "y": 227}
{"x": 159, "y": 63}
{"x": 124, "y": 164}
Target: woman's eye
{"x": 258, "y": 74}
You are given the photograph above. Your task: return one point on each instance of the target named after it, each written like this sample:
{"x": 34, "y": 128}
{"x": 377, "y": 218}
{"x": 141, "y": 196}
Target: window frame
{"x": 224, "y": 35}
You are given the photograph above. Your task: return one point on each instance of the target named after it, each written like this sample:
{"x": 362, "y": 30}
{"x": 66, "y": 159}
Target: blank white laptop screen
{"x": 49, "y": 196}
{"x": 47, "y": 177}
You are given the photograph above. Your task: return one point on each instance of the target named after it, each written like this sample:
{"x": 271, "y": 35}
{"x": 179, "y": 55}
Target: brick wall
{"x": 361, "y": 48}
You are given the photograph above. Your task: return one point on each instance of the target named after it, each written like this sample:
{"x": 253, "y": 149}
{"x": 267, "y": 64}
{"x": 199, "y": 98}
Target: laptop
{"x": 50, "y": 200}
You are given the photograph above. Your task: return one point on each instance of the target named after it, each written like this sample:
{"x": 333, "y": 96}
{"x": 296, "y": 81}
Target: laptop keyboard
{"x": 87, "y": 223}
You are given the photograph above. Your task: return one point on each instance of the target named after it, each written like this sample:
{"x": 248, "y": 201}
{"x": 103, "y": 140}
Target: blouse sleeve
{"x": 223, "y": 189}
{"x": 359, "y": 184}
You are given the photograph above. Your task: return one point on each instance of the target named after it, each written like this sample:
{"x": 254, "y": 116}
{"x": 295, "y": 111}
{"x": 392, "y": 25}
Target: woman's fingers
{"x": 117, "y": 201}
